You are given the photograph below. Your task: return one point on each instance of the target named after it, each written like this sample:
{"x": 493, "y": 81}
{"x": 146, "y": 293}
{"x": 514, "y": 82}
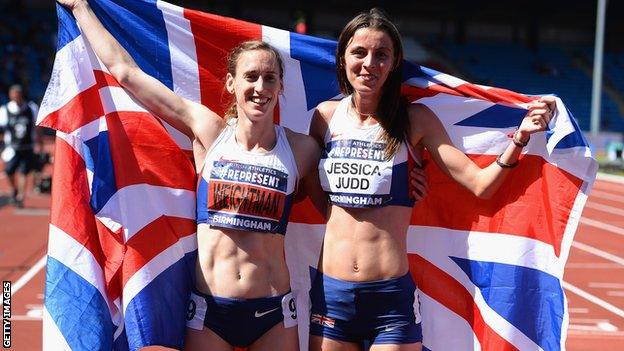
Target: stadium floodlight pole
{"x": 598, "y": 53}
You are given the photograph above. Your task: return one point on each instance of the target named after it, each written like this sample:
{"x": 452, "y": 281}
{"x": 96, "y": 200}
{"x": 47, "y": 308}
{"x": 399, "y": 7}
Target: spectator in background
{"x": 17, "y": 120}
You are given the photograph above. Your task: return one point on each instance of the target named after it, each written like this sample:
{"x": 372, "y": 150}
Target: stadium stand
{"x": 488, "y": 45}
{"x": 548, "y": 70}
{"x": 28, "y": 40}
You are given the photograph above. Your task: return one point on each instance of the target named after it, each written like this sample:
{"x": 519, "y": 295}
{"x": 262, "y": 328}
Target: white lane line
{"x": 587, "y": 320}
{"x": 606, "y": 326}
{"x": 28, "y": 275}
{"x": 570, "y": 265}
{"x": 610, "y": 177}
{"x": 606, "y": 285}
{"x": 605, "y": 208}
{"x": 43, "y": 212}
{"x": 600, "y": 327}
{"x": 603, "y": 226}
{"x": 618, "y": 293}
{"x": 594, "y": 333}
{"x": 594, "y": 251}
{"x": 24, "y": 318}
{"x": 607, "y": 195}
{"x": 607, "y": 188}
{"x": 591, "y": 298}
{"x": 577, "y": 310}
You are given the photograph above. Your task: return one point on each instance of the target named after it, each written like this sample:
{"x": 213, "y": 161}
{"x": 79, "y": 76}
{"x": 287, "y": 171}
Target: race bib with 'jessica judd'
{"x": 355, "y": 174}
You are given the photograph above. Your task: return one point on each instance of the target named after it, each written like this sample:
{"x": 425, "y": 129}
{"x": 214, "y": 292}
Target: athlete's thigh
{"x": 393, "y": 347}
{"x": 277, "y": 338}
{"x": 205, "y": 339}
{"x": 319, "y": 343}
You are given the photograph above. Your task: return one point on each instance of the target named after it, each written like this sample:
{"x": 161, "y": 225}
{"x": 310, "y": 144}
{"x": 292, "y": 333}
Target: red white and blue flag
{"x": 122, "y": 242}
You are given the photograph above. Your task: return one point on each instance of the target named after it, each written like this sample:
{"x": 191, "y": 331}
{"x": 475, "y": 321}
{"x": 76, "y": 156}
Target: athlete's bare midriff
{"x": 239, "y": 264}
{"x": 365, "y": 244}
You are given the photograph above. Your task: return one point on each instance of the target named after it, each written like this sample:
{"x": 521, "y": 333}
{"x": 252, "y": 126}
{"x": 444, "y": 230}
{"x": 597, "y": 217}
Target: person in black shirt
{"x": 17, "y": 120}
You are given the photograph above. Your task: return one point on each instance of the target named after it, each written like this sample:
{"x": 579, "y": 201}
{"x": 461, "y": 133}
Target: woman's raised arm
{"x": 184, "y": 115}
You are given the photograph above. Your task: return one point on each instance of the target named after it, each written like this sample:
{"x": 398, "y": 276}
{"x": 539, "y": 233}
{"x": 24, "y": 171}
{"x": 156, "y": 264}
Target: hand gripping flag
{"x": 122, "y": 232}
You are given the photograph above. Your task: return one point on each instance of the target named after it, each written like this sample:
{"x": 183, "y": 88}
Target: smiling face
{"x": 368, "y": 60}
{"x": 255, "y": 84}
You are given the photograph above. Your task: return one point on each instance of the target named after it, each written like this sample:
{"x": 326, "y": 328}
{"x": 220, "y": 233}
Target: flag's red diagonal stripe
{"x": 531, "y": 189}
{"x": 495, "y": 95}
{"x": 70, "y": 210}
{"x": 143, "y": 152}
{"x": 448, "y": 292}
{"x": 114, "y": 249}
{"x": 212, "y": 48}
{"x": 84, "y": 108}
{"x": 104, "y": 79}
{"x": 153, "y": 239}
{"x": 413, "y": 93}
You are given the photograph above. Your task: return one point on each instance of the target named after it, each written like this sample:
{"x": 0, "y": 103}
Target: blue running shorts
{"x": 240, "y": 322}
{"x": 376, "y": 312}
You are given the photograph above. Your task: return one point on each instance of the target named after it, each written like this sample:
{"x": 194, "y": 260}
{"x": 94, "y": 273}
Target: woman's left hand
{"x": 536, "y": 120}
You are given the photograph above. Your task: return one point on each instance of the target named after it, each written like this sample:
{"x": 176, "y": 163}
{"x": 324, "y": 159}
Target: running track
{"x": 594, "y": 277}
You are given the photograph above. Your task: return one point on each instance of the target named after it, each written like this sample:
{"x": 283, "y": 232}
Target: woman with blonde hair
{"x": 249, "y": 169}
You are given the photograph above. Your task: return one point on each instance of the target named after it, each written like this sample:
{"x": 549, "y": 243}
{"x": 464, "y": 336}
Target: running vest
{"x": 243, "y": 190}
{"x": 20, "y": 126}
{"x": 352, "y": 168}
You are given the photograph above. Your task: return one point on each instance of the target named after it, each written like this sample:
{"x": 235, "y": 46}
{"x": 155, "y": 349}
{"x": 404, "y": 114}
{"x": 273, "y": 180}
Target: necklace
{"x": 361, "y": 114}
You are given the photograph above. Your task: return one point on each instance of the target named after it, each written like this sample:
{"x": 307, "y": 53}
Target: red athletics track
{"x": 594, "y": 277}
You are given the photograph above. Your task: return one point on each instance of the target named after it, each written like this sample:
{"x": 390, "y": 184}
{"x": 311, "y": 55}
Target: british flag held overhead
{"x": 122, "y": 232}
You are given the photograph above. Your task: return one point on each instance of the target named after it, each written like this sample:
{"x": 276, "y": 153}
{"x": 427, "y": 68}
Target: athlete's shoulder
{"x": 305, "y": 149}
{"x": 300, "y": 140}
{"x": 326, "y": 109}
{"x": 321, "y": 119}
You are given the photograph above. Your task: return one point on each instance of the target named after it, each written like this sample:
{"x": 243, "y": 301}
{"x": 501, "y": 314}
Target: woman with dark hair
{"x": 363, "y": 290}
{"x": 248, "y": 170}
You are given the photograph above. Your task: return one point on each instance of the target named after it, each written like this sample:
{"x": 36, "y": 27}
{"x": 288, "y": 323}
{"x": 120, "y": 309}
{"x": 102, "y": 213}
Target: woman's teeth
{"x": 259, "y": 100}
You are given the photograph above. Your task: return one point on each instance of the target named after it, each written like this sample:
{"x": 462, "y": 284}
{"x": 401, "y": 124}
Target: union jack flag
{"x": 322, "y": 320}
{"x": 122, "y": 232}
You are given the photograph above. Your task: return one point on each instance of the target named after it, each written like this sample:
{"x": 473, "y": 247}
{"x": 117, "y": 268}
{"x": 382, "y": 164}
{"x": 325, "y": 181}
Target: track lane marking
{"x": 581, "y": 265}
{"x": 606, "y": 285}
{"x": 604, "y": 226}
{"x": 607, "y": 195}
{"x": 23, "y": 280}
{"x": 605, "y": 208}
{"x": 610, "y": 177}
{"x": 597, "y": 252}
{"x": 594, "y": 299}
